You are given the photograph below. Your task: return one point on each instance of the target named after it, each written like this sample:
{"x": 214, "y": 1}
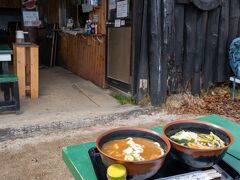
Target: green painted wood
{"x": 5, "y": 49}
{"x": 232, "y": 161}
{"x": 234, "y": 128}
{"x": 232, "y": 157}
{"x": 78, "y": 161}
{"x": 157, "y": 129}
{"x": 5, "y": 78}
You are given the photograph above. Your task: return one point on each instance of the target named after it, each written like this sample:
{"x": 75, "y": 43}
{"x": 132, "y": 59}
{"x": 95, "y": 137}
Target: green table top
{"x": 5, "y": 49}
{"x": 78, "y": 161}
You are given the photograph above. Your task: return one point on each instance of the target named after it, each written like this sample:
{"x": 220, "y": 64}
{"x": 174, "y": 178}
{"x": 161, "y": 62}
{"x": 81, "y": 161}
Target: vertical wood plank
{"x": 28, "y": 66}
{"x": 80, "y": 56}
{"x": 176, "y": 80}
{"x": 234, "y": 19}
{"x": 167, "y": 61}
{"x": 211, "y": 47}
{"x": 222, "y": 58}
{"x": 158, "y": 27}
{"x": 99, "y": 63}
{"x": 200, "y": 50}
{"x": 34, "y": 78}
{"x": 14, "y": 59}
{"x": 190, "y": 44}
{"x": 103, "y": 62}
{"x": 239, "y": 27}
{"x": 91, "y": 60}
{"x": 179, "y": 28}
{"x": 20, "y": 67}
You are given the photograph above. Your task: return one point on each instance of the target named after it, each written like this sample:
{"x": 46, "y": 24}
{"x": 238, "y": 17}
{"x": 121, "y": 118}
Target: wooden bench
{"x": 5, "y": 58}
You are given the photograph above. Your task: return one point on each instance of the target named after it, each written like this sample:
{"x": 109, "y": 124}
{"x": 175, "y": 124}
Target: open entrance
{"x": 70, "y": 38}
{"x": 119, "y": 44}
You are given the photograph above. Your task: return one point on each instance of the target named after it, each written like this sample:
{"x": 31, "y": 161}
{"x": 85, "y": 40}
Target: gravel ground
{"x": 40, "y": 157}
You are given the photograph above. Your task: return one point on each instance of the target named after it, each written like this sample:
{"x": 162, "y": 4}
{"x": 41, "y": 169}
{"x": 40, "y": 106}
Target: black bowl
{"x": 197, "y": 158}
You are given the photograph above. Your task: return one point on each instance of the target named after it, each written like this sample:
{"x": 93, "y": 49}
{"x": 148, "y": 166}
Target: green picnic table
{"x": 78, "y": 161}
{"x": 5, "y": 49}
{"x": 5, "y": 58}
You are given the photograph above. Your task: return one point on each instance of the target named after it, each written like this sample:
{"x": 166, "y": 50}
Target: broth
{"x": 133, "y": 149}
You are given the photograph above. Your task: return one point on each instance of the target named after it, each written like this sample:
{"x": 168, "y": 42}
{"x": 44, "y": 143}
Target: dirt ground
{"x": 40, "y": 157}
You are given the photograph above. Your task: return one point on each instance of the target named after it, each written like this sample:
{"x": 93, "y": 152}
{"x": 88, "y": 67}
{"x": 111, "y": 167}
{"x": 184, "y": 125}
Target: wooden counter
{"x": 84, "y": 56}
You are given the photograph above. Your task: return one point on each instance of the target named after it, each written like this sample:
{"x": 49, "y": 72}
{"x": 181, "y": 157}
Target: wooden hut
{"x": 187, "y": 44}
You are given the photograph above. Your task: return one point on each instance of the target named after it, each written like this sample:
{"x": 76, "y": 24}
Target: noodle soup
{"x": 133, "y": 149}
{"x": 198, "y": 140}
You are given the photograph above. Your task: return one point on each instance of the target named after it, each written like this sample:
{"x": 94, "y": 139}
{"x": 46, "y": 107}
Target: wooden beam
{"x": 190, "y": 44}
{"x": 200, "y": 50}
{"x": 19, "y": 63}
{"x": 34, "y": 72}
{"x": 211, "y": 47}
{"x": 234, "y": 19}
{"x": 222, "y": 56}
{"x": 179, "y": 31}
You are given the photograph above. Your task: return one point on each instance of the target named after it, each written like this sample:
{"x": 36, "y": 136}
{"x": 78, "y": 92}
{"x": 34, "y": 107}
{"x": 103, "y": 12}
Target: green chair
{"x": 14, "y": 103}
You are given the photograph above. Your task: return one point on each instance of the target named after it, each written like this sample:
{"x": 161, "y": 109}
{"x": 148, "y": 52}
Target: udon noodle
{"x": 198, "y": 140}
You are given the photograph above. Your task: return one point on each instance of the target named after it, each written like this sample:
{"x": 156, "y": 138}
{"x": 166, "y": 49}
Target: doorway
{"x": 119, "y": 44}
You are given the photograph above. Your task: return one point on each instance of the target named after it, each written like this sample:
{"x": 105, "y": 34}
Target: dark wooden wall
{"x": 200, "y": 39}
{"x": 182, "y": 45}
{"x": 53, "y": 11}
{"x": 10, "y": 4}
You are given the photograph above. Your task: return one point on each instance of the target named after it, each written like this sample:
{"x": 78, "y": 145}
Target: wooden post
{"x": 211, "y": 47}
{"x": 200, "y": 50}
{"x": 26, "y": 68}
{"x": 53, "y": 45}
{"x": 179, "y": 28}
{"x": 190, "y": 44}
{"x": 234, "y": 14}
{"x": 20, "y": 62}
{"x": 179, "y": 43}
{"x": 34, "y": 72}
{"x": 222, "y": 43}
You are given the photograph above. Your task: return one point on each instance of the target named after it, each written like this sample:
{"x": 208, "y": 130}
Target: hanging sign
{"x": 122, "y": 9}
{"x": 31, "y": 19}
{"x": 30, "y": 13}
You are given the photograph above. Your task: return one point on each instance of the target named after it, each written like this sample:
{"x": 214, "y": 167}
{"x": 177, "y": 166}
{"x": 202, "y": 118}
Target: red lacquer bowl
{"x": 197, "y": 158}
{"x": 140, "y": 169}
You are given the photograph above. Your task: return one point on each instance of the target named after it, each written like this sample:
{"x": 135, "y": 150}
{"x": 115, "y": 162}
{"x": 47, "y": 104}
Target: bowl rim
{"x": 164, "y": 138}
{"x": 229, "y": 134}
